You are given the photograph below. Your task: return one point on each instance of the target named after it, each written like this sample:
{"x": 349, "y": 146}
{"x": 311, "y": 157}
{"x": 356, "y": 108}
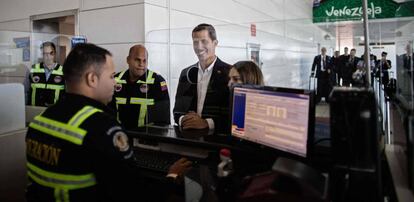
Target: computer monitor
{"x": 280, "y": 118}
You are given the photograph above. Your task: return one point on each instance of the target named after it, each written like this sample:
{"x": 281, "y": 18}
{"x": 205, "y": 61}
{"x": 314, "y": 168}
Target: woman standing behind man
{"x": 245, "y": 72}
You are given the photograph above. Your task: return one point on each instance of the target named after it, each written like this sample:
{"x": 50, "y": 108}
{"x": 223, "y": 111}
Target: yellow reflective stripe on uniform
{"x": 82, "y": 115}
{"x": 48, "y": 86}
{"x": 57, "y": 129}
{"x": 138, "y": 100}
{"x": 150, "y": 79}
{"x": 33, "y": 96}
{"x": 55, "y": 87}
{"x": 37, "y": 69}
{"x": 58, "y": 71}
{"x": 143, "y": 108}
{"x": 61, "y": 195}
{"x": 35, "y": 86}
{"x": 120, "y": 100}
{"x": 118, "y": 78}
{"x": 59, "y": 180}
{"x": 33, "y": 70}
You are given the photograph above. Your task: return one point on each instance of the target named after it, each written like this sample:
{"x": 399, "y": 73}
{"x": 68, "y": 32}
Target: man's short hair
{"x": 346, "y": 48}
{"x": 81, "y": 58}
{"x": 50, "y": 44}
{"x": 353, "y": 49}
{"x": 384, "y": 53}
{"x": 209, "y": 28}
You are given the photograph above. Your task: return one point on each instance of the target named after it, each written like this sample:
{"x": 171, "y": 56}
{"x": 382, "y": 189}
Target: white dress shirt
{"x": 323, "y": 62}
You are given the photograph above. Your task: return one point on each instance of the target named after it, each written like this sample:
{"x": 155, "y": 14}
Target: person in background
{"x": 335, "y": 75}
{"x": 77, "y": 151}
{"x": 201, "y": 100}
{"x": 348, "y": 68}
{"x": 245, "y": 72}
{"x": 45, "y": 84}
{"x": 371, "y": 56}
{"x": 141, "y": 95}
{"x": 321, "y": 69}
{"x": 359, "y": 77}
{"x": 381, "y": 68}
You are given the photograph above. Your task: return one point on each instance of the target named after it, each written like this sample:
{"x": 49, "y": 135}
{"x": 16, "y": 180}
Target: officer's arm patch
{"x": 163, "y": 86}
{"x": 120, "y": 141}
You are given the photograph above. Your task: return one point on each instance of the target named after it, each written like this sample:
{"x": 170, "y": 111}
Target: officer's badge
{"x": 57, "y": 79}
{"x": 121, "y": 141}
{"x": 144, "y": 88}
{"x": 36, "y": 79}
{"x": 118, "y": 87}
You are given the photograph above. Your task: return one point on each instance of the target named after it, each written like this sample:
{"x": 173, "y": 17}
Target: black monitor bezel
{"x": 311, "y": 119}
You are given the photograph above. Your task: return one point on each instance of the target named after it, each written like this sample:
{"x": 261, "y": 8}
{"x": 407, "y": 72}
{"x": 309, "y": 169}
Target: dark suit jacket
{"x": 216, "y": 103}
{"x": 347, "y": 67}
{"x": 317, "y": 64}
{"x": 404, "y": 61}
{"x": 384, "y": 67}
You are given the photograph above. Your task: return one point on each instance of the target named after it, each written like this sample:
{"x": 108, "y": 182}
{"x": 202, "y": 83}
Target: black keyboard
{"x": 155, "y": 160}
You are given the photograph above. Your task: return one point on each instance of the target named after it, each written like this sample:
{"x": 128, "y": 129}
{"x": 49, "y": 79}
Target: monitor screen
{"x": 272, "y": 117}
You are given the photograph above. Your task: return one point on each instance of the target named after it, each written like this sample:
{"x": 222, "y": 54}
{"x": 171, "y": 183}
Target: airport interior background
{"x": 281, "y": 36}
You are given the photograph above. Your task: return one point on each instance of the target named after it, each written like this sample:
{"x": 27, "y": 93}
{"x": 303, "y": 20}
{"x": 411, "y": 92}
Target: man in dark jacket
{"x": 202, "y": 95}
{"x": 321, "y": 68}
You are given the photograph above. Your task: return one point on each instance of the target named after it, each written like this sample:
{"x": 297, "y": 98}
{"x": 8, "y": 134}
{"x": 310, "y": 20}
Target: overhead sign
{"x": 77, "y": 40}
{"x": 23, "y": 42}
{"x": 351, "y": 10}
{"x": 253, "y": 29}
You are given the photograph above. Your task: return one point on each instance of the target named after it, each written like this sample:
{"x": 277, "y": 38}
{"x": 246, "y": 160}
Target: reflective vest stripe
{"x": 118, "y": 78}
{"x": 37, "y": 69}
{"x": 58, "y": 71}
{"x": 83, "y": 114}
{"x": 33, "y": 96}
{"x": 48, "y": 86}
{"x": 57, "y": 129}
{"x": 58, "y": 180}
{"x": 121, "y": 100}
{"x": 150, "y": 79}
{"x": 56, "y": 88}
{"x": 141, "y": 101}
{"x": 143, "y": 109}
{"x": 61, "y": 195}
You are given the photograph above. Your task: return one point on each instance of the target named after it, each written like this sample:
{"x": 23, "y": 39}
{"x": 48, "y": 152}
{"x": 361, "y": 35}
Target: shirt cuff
{"x": 210, "y": 123}
{"x": 180, "y": 120}
{"x": 172, "y": 175}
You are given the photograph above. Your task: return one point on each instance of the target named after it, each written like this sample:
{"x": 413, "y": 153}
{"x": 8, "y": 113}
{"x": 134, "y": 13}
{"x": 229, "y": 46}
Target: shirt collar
{"x": 210, "y": 67}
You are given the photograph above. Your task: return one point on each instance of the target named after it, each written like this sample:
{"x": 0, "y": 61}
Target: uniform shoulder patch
{"x": 163, "y": 85}
{"x": 120, "y": 141}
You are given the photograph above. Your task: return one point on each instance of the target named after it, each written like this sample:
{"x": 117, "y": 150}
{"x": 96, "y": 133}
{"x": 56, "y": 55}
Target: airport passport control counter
{"x": 270, "y": 146}
{"x": 278, "y": 150}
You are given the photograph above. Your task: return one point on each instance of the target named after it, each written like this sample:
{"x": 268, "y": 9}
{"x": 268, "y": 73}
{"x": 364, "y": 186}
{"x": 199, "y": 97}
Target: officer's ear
{"x": 92, "y": 79}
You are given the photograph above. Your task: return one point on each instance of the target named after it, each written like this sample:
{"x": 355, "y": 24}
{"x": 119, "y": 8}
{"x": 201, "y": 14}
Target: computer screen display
{"x": 271, "y": 117}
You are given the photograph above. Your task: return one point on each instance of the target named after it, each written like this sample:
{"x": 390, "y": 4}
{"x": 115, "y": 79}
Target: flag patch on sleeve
{"x": 163, "y": 86}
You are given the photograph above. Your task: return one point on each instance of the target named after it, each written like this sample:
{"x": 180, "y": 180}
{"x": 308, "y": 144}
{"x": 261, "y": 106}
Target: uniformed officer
{"x": 76, "y": 150}
{"x": 46, "y": 80}
{"x": 141, "y": 95}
